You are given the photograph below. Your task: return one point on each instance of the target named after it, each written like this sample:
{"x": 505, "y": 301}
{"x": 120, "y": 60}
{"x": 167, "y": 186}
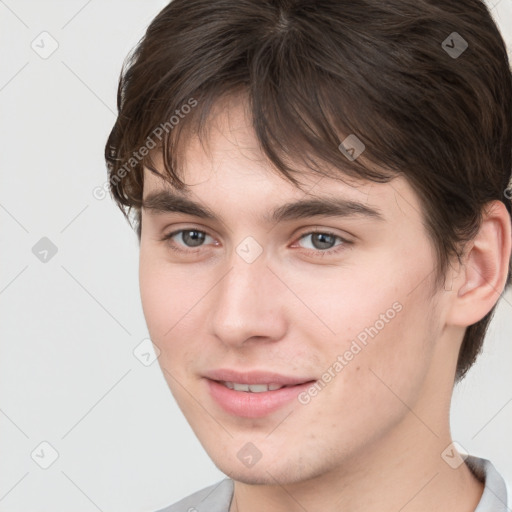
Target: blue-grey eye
{"x": 321, "y": 240}
{"x": 192, "y": 237}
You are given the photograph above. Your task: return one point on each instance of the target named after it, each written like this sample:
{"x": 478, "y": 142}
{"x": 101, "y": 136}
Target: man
{"x": 322, "y": 204}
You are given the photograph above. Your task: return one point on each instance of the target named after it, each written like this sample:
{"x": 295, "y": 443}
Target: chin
{"x": 259, "y": 474}
{"x": 265, "y": 474}
{"x": 247, "y": 478}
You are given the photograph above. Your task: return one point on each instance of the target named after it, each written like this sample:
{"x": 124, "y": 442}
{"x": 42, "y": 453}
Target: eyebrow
{"x": 165, "y": 201}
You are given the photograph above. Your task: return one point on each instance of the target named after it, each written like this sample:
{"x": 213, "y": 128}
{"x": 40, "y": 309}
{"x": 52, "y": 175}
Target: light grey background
{"x": 69, "y": 326}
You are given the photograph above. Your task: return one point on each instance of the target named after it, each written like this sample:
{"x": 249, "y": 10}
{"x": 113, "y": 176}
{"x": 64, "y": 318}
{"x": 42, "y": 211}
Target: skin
{"x": 372, "y": 438}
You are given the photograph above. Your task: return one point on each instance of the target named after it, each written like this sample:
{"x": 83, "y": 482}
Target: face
{"x": 338, "y": 307}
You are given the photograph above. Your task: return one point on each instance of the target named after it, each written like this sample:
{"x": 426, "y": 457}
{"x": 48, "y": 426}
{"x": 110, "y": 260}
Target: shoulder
{"x": 214, "y": 498}
{"x": 495, "y": 495}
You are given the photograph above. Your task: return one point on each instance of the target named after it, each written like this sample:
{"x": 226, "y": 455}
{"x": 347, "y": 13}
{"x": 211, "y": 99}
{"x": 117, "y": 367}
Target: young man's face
{"x": 357, "y": 316}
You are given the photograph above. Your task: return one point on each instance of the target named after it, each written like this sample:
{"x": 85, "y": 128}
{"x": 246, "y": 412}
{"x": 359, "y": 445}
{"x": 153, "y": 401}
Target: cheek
{"x": 343, "y": 305}
{"x": 388, "y": 369}
{"x": 171, "y": 301}
{"x": 166, "y": 293}
{"x": 155, "y": 298}
{"x": 380, "y": 337}
{"x": 366, "y": 398}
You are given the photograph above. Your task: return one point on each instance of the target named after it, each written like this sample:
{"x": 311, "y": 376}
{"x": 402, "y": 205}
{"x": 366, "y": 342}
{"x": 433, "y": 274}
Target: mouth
{"x": 253, "y": 394}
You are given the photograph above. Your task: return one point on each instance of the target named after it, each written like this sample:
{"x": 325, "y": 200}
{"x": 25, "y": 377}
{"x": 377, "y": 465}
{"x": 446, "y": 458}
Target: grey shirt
{"x": 217, "y": 497}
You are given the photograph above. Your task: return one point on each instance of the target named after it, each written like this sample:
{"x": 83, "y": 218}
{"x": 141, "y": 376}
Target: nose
{"x": 248, "y": 304}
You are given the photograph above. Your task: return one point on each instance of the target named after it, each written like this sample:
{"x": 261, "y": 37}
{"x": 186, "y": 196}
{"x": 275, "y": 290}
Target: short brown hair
{"x": 425, "y": 84}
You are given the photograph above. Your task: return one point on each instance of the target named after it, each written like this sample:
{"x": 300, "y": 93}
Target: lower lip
{"x": 253, "y": 405}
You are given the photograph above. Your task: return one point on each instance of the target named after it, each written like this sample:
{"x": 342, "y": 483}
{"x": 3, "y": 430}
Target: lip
{"x": 254, "y": 405}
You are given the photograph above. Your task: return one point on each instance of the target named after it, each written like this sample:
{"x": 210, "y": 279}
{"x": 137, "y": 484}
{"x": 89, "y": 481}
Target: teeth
{"x": 252, "y": 388}
{"x": 258, "y": 388}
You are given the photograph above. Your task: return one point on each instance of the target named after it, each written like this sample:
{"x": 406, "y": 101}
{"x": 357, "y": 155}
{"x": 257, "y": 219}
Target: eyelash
{"x": 316, "y": 252}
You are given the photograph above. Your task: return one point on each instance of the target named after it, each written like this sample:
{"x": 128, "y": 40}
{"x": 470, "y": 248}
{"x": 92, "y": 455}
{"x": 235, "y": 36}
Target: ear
{"x": 479, "y": 284}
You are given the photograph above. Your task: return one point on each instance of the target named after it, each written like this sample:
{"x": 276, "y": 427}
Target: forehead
{"x": 228, "y": 164}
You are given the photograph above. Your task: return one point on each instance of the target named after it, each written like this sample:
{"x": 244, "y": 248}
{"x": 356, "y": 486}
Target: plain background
{"x": 70, "y": 324}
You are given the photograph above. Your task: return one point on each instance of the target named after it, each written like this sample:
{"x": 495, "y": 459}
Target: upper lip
{"x": 255, "y": 377}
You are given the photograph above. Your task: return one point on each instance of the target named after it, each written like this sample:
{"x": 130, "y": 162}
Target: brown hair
{"x": 397, "y": 74}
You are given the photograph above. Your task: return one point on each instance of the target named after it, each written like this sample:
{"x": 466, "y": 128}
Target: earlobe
{"x": 485, "y": 269}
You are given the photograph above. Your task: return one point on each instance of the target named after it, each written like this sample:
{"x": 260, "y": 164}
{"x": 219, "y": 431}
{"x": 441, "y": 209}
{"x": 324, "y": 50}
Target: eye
{"x": 323, "y": 242}
{"x": 189, "y": 237}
